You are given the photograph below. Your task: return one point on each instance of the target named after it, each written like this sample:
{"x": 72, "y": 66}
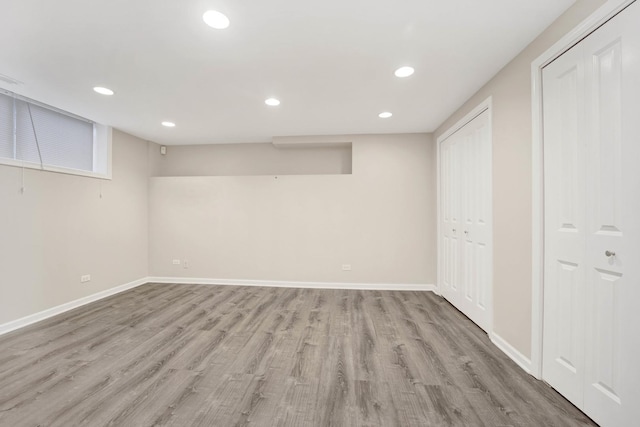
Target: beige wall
{"x": 380, "y": 219}
{"x": 60, "y": 229}
{"x": 511, "y": 92}
{"x": 248, "y": 159}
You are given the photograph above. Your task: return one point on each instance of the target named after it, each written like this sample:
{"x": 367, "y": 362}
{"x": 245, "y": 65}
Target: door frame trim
{"x": 486, "y": 105}
{"x": 607, "y": 11}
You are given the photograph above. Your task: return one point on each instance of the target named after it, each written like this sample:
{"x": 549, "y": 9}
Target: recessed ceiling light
{"x": 385, "y": 115}
{"x": 404, "y": 71}
{"x": 273, "y": 102}
{"x": 103, "y": 90}
{"x": 215, "y": 19}
{"x": 169, "y": 124}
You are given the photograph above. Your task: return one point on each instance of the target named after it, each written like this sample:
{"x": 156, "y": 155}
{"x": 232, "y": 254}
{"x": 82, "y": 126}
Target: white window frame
{"x": 102, "y": 147}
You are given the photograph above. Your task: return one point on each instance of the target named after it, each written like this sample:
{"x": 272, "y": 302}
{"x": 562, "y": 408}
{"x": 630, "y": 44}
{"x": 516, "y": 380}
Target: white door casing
{"x": 591, "y": 348}
{"x": 465, "y": 217}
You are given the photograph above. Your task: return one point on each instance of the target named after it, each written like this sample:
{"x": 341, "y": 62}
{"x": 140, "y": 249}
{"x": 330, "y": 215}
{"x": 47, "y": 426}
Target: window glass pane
{"x": 64, "y": 141}
{"x": 6, "y": 126}
{"x": 26, "y": 143}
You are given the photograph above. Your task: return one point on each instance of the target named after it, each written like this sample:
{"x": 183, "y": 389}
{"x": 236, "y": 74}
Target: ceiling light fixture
{"x": 168, "y": 124}
{"x": 215, "y": 19}
{"x": 404, "y": 72}
{"x": 273, "y": 102}
{"x": 103, "y": 90}
{"x": 385, "y": 115}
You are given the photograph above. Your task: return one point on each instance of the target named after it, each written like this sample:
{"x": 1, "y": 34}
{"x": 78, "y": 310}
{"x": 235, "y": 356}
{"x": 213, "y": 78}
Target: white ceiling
{"x": 330, "y": 62}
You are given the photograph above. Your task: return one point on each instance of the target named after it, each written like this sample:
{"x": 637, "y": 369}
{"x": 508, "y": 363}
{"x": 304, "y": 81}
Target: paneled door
{"x": 465, "y": 195}
{"x": 591, "y": 344}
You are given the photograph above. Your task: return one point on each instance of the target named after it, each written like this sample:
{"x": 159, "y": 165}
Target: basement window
{"x": 37, "y": 136}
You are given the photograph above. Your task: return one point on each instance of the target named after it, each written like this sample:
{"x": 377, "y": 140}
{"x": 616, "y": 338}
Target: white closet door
{"x": 565, "y": 228}
{"x": 465, "y": 178}
{"x": 476, "y": 249}
{"x": 592, "y": 222}
{"x": 450, "y": 211}
{"x": 612, "y": 376}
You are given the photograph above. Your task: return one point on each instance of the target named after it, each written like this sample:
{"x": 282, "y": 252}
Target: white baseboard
{"x": 284, "y": 284}
{"x": 520, "y": 359}
{"x": 42, "y": 315}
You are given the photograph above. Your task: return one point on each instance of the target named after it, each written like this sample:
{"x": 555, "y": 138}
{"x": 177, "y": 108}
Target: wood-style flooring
{"x": 190, "y": 355}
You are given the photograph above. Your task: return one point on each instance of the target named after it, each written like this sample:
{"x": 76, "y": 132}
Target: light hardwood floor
{"x": 187, "y": 355}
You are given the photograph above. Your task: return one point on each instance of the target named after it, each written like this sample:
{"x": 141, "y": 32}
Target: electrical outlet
{"x": 176, "y": 262}
{"x": 346, "y": 267}
{"x": 85, "y": 279}
{"x": 185, "y": 264}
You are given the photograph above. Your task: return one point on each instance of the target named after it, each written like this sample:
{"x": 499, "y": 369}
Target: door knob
{"x": 466, "y": 231}
{"x": 609, "y": 254}
{"x": 454, "y": 230}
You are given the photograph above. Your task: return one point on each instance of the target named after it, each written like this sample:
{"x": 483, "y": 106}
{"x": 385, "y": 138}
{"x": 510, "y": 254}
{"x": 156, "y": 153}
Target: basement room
{"x": 420, "y": 213}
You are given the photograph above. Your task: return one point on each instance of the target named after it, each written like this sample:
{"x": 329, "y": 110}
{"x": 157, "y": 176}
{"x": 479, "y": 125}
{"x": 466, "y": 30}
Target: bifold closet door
{"x": 591, "y": 348}
{"x": 465, "y": 192}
